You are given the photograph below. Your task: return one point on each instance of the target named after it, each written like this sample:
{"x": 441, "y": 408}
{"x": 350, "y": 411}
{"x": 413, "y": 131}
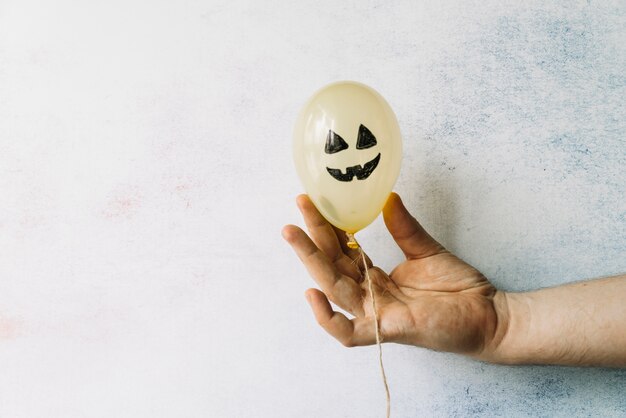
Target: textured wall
{"x": 145, "y": 173}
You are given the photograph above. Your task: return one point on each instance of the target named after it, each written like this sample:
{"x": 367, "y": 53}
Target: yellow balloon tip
{"x": 351, "y": 241}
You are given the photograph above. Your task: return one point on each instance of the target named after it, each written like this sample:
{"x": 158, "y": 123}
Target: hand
{"x": 432, "y": 299}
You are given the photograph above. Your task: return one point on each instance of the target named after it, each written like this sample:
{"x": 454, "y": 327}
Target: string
{"x": 353, "y": 244}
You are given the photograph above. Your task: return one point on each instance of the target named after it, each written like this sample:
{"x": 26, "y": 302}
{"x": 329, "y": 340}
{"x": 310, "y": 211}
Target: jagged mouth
{"x": 361, "y": 173}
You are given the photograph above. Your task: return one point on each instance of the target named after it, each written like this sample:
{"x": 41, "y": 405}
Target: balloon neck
{"x": 352, "y": 243}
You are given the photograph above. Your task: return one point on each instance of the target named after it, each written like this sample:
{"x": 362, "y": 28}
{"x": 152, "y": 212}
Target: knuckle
{"x": 347, "y": 342}
{"x": 322, "y": 322}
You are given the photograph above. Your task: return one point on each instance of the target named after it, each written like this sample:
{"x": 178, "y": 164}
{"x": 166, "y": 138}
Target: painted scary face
{"x": 335, "y": 143}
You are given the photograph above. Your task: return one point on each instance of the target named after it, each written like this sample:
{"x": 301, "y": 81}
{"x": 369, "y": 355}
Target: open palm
{"x": 433, "y": 299}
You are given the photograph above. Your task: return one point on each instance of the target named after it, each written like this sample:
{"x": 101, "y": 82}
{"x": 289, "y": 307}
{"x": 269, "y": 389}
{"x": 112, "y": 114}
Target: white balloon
{"x": 347, "y": 151}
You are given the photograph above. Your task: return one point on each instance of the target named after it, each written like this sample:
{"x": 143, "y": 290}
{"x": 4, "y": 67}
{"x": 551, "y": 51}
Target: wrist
{"x": 512, "y": 314}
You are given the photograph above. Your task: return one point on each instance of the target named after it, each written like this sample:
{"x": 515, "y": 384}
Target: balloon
{"x": 347, "y": 150}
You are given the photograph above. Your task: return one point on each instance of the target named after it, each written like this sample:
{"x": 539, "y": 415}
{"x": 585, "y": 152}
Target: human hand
{"x": 432, "y": 299}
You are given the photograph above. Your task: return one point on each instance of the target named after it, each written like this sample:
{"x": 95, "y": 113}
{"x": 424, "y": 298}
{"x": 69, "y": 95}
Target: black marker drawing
{"x": 335, "y": 143}
{"x": 361, "y": 173}
{"x": 366, "y": 138}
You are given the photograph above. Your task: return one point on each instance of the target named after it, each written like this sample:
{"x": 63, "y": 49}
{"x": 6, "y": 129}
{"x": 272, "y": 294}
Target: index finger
{"x": 331, "y": 240}
{"x": 340, "y": 288}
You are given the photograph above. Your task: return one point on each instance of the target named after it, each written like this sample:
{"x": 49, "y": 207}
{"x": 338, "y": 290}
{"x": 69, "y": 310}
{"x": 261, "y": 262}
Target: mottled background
{"x": 145, "y": 173}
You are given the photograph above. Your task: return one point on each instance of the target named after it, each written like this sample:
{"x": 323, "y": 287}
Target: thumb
{"x": 412, "y": 239}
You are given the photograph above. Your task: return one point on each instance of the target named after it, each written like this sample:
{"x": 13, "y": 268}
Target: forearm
{"x": 581, "y": 324}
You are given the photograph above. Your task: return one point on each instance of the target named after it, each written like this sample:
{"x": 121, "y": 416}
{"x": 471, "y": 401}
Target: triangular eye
{"x": 366, "y": 138}
{"x": 334, "y": 143}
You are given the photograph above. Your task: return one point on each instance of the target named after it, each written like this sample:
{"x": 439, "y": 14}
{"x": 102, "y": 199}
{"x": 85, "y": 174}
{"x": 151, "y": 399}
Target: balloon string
{"x": 353, "y": 244}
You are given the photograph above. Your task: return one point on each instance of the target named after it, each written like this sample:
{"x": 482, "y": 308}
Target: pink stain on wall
{"x": 122, "y": 205}
{"x": 185, "y": 189}
{"x": 182, "y": 186}
{"x": 9, "y": 328}
{"x": 181, "y": 190}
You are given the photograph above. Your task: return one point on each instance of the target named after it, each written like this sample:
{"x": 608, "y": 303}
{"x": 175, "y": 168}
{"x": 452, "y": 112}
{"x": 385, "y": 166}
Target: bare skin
{"x": 435, "y": 300}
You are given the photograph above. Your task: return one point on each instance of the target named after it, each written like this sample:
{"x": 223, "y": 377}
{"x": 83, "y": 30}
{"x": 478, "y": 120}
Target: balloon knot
{"x": 352, "y": 241}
